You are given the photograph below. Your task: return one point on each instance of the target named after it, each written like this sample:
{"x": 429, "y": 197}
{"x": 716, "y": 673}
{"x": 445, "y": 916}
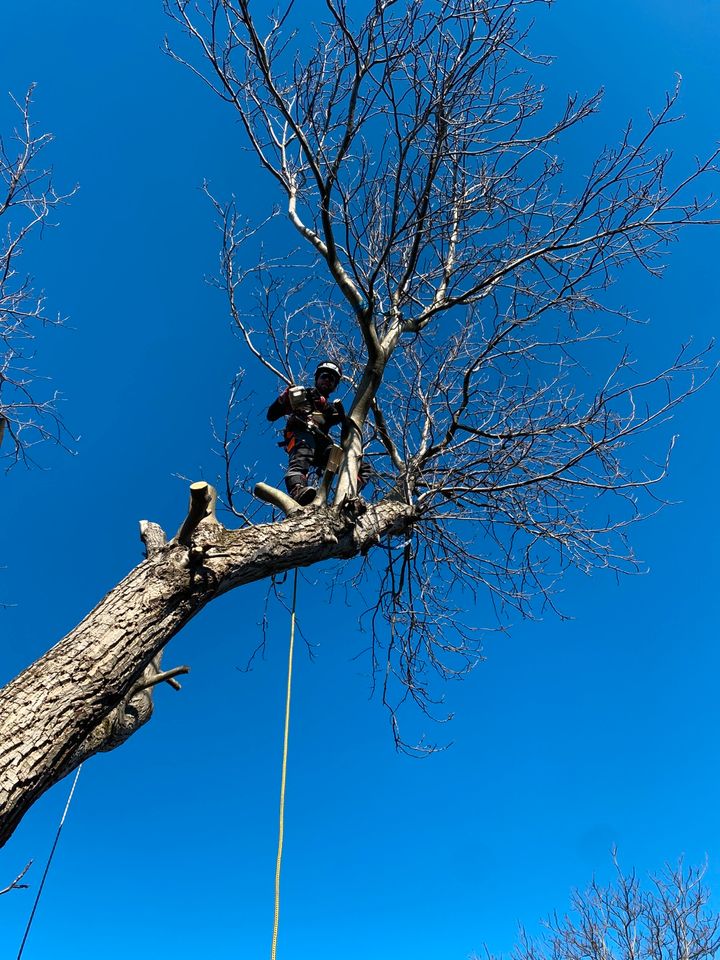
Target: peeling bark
{"x": 90, "y": 692}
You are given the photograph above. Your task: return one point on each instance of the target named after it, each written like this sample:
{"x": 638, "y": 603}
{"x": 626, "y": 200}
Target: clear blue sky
{"x": 571, "y": 736}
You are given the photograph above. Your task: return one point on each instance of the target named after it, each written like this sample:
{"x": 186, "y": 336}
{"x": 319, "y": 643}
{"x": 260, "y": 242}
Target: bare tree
{"x": 463, "y": 282}
{"x": 445, "y": 256}
{"x": 27, "y": 200}
{"x": 670, "y": 918}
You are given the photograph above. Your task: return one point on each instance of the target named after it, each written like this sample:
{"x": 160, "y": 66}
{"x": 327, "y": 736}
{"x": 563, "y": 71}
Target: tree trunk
{"x": 54, "y": 714}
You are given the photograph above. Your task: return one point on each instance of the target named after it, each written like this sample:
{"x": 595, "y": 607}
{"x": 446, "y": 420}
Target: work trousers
{"x": 307, "y": 450}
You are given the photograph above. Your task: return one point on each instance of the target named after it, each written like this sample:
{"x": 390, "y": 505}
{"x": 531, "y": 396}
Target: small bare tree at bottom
{"x": 669, "y": 918}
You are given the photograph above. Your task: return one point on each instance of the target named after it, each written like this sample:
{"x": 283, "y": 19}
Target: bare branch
{"x": 17, "y": 882}
{"x": 27, "y": 201}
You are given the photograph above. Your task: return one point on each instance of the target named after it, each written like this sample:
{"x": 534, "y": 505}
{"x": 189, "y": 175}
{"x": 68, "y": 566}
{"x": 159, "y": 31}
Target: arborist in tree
{"x": 310, "y": 417}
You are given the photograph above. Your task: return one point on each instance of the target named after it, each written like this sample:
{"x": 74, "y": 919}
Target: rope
{"x": 49, "y": 861}
{"x": 281, "y": 828}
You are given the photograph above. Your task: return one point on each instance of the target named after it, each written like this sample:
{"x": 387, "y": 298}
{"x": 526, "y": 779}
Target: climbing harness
{"x": 283, "y": 777}
{"x": 49, "y": 861}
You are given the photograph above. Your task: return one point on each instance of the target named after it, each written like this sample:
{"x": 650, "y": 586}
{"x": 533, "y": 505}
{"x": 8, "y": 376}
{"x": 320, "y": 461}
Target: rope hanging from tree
{"x": 283, "y": 777}
{"x": 47, "y": 865}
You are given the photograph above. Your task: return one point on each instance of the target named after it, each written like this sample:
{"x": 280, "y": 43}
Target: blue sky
{"x": 570, "y": 737}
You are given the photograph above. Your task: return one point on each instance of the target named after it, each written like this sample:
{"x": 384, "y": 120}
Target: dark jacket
{"x": 320, "y": 416}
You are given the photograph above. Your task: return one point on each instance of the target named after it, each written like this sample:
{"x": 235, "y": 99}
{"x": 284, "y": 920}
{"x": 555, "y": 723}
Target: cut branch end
{"x": 203, "y": 498}
{"x": 276, "y": 498}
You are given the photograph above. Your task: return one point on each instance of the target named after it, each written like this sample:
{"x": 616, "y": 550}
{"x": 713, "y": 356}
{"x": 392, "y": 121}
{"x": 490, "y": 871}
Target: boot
{"x": 303, "y": 495}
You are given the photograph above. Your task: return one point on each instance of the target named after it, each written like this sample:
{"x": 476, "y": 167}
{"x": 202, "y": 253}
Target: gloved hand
{"x": 317, "y": 398}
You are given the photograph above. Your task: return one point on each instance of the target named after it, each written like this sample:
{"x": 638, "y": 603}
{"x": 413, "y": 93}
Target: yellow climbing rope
{"x": 281, "y": 828}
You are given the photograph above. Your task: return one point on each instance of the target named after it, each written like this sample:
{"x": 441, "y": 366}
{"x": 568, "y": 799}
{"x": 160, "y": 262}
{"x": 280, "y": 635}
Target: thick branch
{"x": 60, "y": 710}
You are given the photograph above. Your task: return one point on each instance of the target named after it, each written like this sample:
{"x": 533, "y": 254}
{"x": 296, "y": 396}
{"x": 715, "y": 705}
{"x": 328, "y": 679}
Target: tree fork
{"x": 53, "y": 715}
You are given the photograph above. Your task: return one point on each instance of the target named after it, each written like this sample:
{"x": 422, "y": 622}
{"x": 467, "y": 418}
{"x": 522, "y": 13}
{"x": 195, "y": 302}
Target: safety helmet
{"x": 329, "y": 366}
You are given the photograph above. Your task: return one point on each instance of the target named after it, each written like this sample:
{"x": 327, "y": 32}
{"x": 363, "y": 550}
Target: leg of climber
{"x": 301, "y": 453}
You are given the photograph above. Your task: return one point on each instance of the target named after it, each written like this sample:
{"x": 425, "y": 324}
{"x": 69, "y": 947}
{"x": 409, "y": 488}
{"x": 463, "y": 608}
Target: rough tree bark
{"x": 86, "y": 693}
